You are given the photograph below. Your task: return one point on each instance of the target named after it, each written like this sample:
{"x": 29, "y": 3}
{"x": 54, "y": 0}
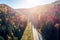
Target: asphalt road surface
{"x": 36, "y": 34}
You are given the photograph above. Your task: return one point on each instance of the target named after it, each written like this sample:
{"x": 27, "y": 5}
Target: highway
{"x": 36, "y": 34}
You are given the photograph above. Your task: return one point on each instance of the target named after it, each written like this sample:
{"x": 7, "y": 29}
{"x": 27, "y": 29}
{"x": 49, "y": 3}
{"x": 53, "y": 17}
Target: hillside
{"x": 35, "y": 12}
{"x": 12, "y": 24}
{"x": 46, "y": 19}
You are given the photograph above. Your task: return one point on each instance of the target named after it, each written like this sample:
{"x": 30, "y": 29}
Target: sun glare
{"x": 32, "y": 3}
{"x": 26, "y": 3}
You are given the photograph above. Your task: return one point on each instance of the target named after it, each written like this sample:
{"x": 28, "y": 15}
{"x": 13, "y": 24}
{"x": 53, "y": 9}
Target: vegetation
{"x": 28, "y": 32}
{"x": 46, "y": 19}
{"x": 12, "y": 26}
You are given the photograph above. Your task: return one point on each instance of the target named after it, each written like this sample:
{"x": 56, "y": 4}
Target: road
{"x": 36, "y": 34}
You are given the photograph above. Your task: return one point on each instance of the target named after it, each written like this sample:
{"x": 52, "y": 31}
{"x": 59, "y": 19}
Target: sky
{"x": 25, "y": 3}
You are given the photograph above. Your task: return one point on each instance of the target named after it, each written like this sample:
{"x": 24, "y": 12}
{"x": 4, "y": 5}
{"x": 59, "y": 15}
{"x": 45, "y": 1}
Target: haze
{"x": 25, "y": 3}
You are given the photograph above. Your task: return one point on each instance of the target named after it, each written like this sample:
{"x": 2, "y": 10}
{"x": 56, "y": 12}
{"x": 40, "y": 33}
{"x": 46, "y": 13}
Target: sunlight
{"x": 33, "y": 3}
{"x": 25, "y": 3}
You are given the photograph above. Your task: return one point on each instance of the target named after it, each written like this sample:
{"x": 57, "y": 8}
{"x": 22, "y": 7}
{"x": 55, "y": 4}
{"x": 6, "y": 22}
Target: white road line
{"x": 35, "y": 33}
{"x": 40, "y": 36}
